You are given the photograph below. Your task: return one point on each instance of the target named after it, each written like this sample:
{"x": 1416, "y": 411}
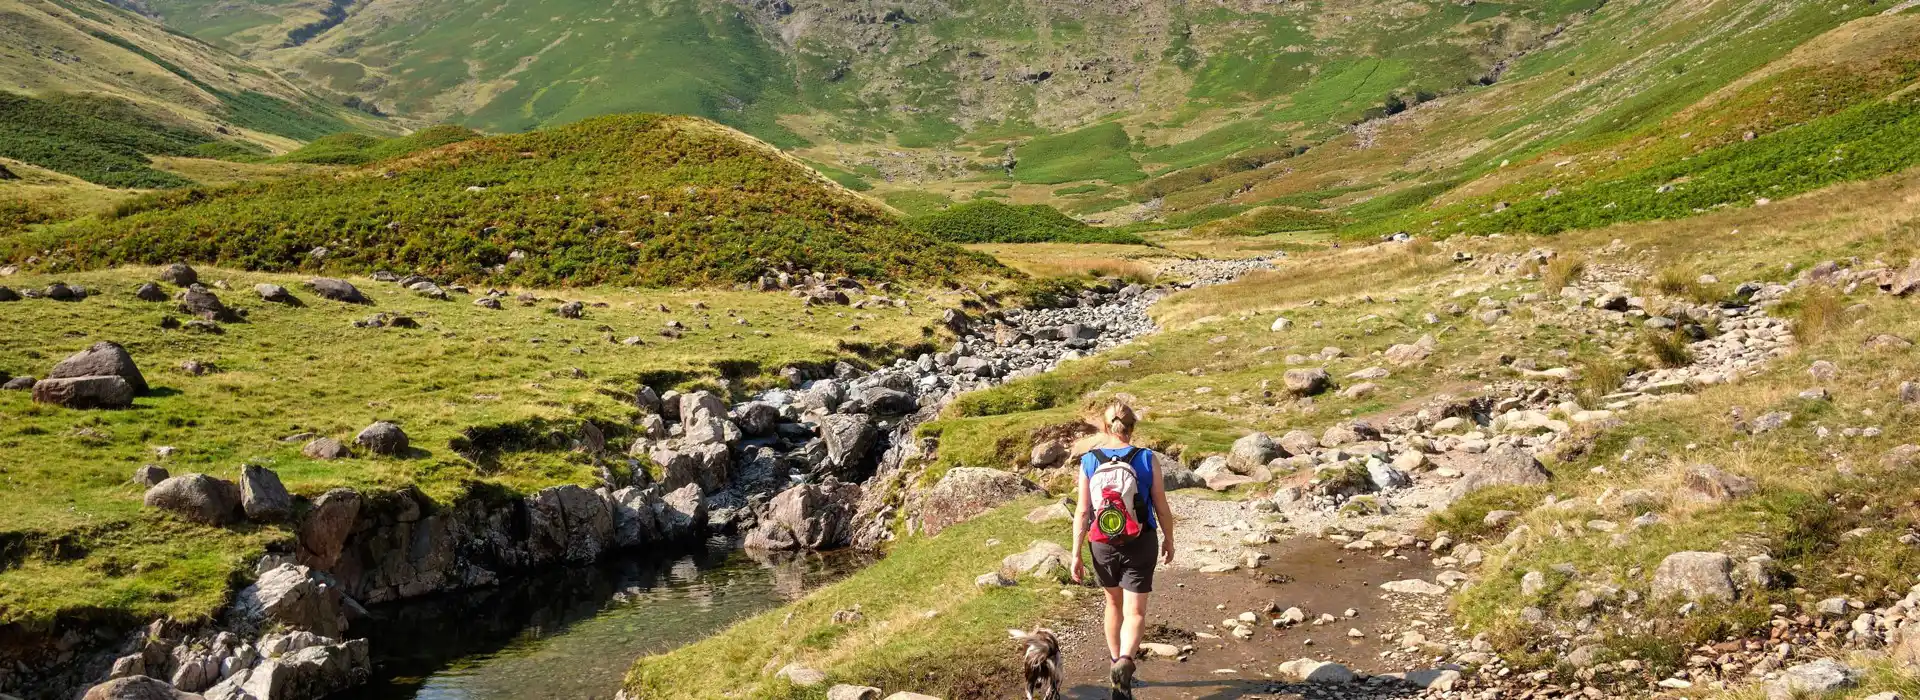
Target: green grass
{"x": 360, "y": 149}
{"x": 926, "y": 627}
{"x": 994, "y": 222}
{"x": 637, "y": 199}
{"x": 290, "y": 370}
{"x": 915, "y": 202}
{"x": 1098, "y": 152}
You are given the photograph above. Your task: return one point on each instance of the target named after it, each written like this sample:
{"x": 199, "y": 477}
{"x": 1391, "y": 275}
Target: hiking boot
{"x": 1122, "y": 678}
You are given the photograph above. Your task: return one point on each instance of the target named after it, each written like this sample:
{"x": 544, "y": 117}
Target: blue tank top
{"x": 1142, "y": 472}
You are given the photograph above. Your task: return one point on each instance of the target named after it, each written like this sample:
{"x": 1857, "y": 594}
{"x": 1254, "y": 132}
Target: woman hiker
{"x": 1123, "y": 514}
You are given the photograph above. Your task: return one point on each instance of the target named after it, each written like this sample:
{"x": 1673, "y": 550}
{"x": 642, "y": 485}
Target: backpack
{"x": 1117, "y": 500}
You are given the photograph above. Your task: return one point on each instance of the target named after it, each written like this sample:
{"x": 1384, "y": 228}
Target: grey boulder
{"x": 84, "y": 392}
{"x": 383, "y": 438}
{"x": 262, "y": 495}
{"x": 336, "y": 290}
{"x": 101, "y": 359}
{"x": 197, "y": 497}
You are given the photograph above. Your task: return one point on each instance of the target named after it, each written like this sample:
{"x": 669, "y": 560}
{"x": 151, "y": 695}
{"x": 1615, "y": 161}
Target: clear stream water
{"x": 573, "y": 633}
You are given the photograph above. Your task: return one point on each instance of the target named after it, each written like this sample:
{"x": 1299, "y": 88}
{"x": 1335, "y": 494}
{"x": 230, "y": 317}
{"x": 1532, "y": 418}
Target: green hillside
{"x": 637, "y": 199}
{"x": 361, "y": 149}
{"x": 994, "y": 222}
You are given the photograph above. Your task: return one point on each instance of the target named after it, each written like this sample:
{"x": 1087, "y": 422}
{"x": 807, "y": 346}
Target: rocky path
{"x": 1300, "y": 595}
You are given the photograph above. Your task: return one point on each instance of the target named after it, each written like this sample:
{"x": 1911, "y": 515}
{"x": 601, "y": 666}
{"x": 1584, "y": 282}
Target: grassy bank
{"x": 923, "y": 625}
{"x": 521, "y": 370}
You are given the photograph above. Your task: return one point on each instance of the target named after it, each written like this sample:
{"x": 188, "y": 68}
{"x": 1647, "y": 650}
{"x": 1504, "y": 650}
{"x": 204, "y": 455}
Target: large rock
{"x": 1694, "y": 576}
{"x": 136, "y": 688}
{"x": 701, "y": 405}
{"x": 889, "y": 402}
{"x": 756, "y": 418}
{"x": 965, "y": 492}
{"x": 1313, "y": 671}
{"x": 197, "y": 497}
{"x": 328, "y": 523}
{"x": 1175, "y": 475}
{"x": 85, "y": 392}
{"x": 150, "y": 292}
{"x": 1299, "y": 442}
{"x": 326, "y": 449}
{"x": 682, "y": 514}
{"x": 1250, "y": 451}
{"x": 307, "y": 673}
{"x": 262, "y": 495}
{"x": 197, "y": 301}
{"x": 1504, "y": 465}
{"x": 1817, "y": 678}
{"x": 179, "y": 275}
{"x": 292, "y": 596}
{"x": 1905, "y": 281}
{"x": 1403, "y": 355}
{"x": 849, "y": 436}
{"x": 336, "y": 290}
{"x": 1307, "y": 382}
{"x": 105, "y": 358}
{"x": 383, "y": 438}
{"x": 570, "y": 521}
{"x": 1042, "y": 559}
{"x": 809, "y": 516}
{"x": 274, "y": 293}
{"x": 635, "y": 517}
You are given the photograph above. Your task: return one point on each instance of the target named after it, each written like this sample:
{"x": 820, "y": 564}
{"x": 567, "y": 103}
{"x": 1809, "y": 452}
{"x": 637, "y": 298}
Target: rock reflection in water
{"x": 573, "y": 633}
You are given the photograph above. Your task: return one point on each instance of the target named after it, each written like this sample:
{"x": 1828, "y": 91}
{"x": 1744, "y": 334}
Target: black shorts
{"x": 1128, "y": 567}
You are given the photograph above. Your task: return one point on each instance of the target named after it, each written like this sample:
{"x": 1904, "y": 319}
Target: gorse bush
{"x": 988, "y": 221}
{"x": 633, "y": 199}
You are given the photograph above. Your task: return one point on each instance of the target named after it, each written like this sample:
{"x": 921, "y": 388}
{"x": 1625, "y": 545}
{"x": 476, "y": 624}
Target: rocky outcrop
{"x": 809, "y": 516}
{"x": 197, "y": 497}
{"x": 293, "y": 596}
{"x": 965, "y": 492}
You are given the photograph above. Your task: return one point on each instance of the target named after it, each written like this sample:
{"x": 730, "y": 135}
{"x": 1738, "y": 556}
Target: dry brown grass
{"x": 1816, "y": 311}
{"x": 1047, "y": 260}
{"x": 1564, "y": 270}
{"x": 1302, "y": 278}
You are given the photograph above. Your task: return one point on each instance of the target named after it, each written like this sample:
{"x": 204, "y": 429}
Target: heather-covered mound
{"x": 633, "y": 199}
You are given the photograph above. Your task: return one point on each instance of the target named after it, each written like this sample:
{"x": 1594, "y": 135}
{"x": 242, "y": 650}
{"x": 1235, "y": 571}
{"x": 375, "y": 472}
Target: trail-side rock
{"x": 1252, "y": 450}
{"x": 325, "y": 529}
{"x": 1175, "y": 475}
{"x": 336, "y": 290}
{"x": 293, "y": 596}
{"x": 136, "y": 688}
{"x": 326, "y": 449}
{"x": 105, "y": 358}
{"x": 1307, "y": 382}
{"x": 262, "y": 496}
{"x": 197, "y": 497}
{"x": 808, "y": 516}
{"x": 1504, "y": 465}
{"x": 1047, "y": 453}
{"x": 1042, "y": 559}
{"x": 179, "y": 275}
{"x": 1694, "y": 576}
{"x": 84, "y": 392}
{"x": 1815, "y": 678}
{"x": 383, "y": 438}
{"x": 965, "y": 492}
{"x": 1299, "y": 442}
{"x": 1312, "y": 671}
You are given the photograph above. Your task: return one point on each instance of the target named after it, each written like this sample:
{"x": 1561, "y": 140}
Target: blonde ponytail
{"x": 1118, "y": 420}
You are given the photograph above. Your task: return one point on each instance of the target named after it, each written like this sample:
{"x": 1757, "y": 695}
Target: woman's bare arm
{"x": 1080, "y": 515}
{"x": 1162, "y": 513}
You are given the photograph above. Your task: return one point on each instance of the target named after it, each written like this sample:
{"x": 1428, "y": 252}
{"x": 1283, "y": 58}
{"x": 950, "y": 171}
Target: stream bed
{"x": 573, "y": 633}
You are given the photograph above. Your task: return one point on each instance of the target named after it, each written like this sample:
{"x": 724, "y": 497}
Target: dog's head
{"x": 1040, "y": 639}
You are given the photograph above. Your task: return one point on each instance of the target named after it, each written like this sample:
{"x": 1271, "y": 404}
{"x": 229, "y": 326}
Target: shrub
{"x": 987, "y": 221}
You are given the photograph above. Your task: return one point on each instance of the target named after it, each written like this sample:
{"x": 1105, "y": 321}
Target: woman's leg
{"x": 1133, "y": 623}
{"x": 1113, "y": 622}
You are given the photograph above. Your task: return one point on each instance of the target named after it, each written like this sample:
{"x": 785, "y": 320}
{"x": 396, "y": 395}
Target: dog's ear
{"x": 1017, "y": 635}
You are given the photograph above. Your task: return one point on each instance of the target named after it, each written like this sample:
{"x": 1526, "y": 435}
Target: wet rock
{"x": 179, "y": 275}
{"x": 635, "y": 517}
{"x": 262, "y": 496}
{"x": 336, "y": 290}
{"x": 571, "y": 522}
{"x": 104, "y": 358}
{"x": 84, "y": 392}
{"x": 293, "y": 596}
{"x": 308, "y": 673}
{"x": 1694, "y": 576}
{"x": 809, "y": 516}
{"x": 383, "y": 438}
{"x": 197, "y": 497}
{"x": 965, "y": 492}
{"x": 324, "y": 531}
{"x": 1307, "y": 382}
{"x": 326, "y": 449}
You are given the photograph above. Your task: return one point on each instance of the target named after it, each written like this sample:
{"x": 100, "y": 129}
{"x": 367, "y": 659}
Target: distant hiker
{"x": 1123, "y": 512}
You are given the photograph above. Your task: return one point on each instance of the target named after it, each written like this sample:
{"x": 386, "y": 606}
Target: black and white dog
{"x": 1042, "y": 663}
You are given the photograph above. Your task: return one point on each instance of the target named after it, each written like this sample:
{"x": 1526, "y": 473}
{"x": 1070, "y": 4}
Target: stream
{"x": 573, "y": 633}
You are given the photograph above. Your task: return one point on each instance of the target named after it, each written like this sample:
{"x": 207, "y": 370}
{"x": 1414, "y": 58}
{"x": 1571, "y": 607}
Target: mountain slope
{"x": 634, "y": 199}
{"x": 89, "y": 90}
